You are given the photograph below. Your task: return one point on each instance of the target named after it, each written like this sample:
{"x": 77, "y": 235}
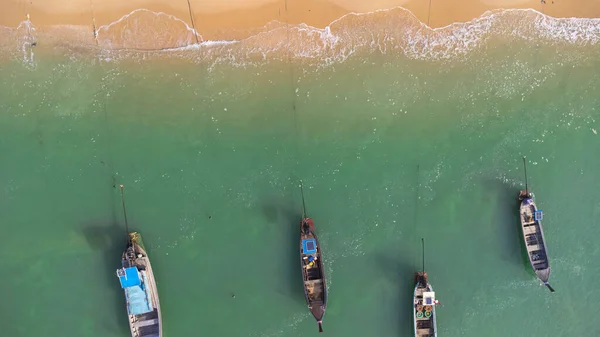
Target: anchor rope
{"x": 294, "y": 109}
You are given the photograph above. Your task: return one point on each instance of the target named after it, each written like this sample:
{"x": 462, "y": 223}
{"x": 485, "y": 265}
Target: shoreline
{"x": 389, "y": 31}
{"x": 239, "y": 19}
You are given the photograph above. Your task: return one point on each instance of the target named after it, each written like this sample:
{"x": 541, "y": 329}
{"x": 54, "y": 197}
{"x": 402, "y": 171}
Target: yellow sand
{"x": 227, "y": 19}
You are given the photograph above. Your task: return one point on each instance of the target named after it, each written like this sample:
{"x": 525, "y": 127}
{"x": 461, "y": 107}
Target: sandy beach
{"x": 224, "y": 20}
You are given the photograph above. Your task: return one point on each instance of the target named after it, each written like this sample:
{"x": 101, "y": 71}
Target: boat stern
{"x": 543, "y": 274}
{"x": 318, "y": 311}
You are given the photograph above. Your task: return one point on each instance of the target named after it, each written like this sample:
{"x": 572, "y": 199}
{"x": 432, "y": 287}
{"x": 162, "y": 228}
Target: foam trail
{"x": 27, "y": 40}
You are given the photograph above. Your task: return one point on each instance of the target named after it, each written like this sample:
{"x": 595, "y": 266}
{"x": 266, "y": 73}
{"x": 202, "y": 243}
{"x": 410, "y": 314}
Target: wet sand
{"x": 237, "y": 19}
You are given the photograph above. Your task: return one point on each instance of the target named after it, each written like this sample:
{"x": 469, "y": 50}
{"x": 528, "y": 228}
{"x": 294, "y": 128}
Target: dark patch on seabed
{"x": 283, "y": 213}
{"x": 109, "y": 238}
{"x": 507, "y": 218}
{"x": 400, "y": 273}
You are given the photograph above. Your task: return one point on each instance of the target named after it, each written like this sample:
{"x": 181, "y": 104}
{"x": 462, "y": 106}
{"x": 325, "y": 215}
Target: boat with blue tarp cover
{"x": 533, "y": 234}
{"x": 313, "y": 273}
{"x": 137, "y": 281}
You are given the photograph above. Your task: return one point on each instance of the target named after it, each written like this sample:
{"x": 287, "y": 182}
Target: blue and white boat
{"x": 137, "y": 281}
{"x": 424, "y": 303}
{"x": 141, "y": 295}
{"x": 424, "y": 307}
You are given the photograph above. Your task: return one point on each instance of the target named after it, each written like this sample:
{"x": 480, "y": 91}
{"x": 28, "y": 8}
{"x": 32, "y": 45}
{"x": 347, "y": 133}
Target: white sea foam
{"x": 391, "y": 31}
{"x": 25, "y": 38}
{"x": 143, "y": 28}
{"x": 284, "y": 327}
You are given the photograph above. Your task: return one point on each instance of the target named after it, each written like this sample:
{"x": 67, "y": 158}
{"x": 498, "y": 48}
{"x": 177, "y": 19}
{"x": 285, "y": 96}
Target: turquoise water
{"x": 391, "y": 148}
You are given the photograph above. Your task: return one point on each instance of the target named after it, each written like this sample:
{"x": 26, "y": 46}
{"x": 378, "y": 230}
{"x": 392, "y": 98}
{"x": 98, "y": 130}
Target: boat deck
{"x": 424, "y": 326}
{"x": 147, "y": 324}
{"x": 534, "y": 240}
{"x": 315, "y": 290}
{"x": 313, "y": 278}
{"x": 141, "y": 263}
{"x": 312, "y": 273}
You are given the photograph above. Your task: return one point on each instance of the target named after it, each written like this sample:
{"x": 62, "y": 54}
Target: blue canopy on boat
{"x": 138, "y": 300}
{"x": 538, "y": 215}
{"x": 129, "y": 277}
{"x": 309, "y": 246}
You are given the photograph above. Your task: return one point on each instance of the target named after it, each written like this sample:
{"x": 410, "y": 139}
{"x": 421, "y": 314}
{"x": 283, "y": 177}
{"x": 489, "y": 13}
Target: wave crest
{"x": 145, "y": 29}
{"x": 386, "y": 31}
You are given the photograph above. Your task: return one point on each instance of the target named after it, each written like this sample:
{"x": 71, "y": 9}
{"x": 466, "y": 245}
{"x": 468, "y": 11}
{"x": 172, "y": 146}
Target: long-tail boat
{"x": 313, "y": 274}
{"x": 533, "y": 234}
{"x": 137, "y": 280}
{"x": 424, "y": 303}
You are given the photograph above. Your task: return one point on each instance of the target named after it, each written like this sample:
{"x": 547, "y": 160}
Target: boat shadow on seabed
{"x": 398, "y": 273}
{"x": 283, "y": 214}
{"x": 108, "y": 239}
{"x": 506, "y": 215}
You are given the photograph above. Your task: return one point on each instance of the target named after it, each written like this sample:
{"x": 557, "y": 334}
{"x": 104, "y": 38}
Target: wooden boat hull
{"x": 533, "y": 237}
{"x": 424, "y": 326}
{"x": 313, "y": 276}
{"x": 148, "y": 324}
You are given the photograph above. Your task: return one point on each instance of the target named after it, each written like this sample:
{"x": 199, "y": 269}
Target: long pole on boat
{"x": 549, "y": 287}
{"x": 124, "y": 211}
{"x": 525, "y": 167}
{"x": 303, "y": 204}
{"x": 423, "y": 252}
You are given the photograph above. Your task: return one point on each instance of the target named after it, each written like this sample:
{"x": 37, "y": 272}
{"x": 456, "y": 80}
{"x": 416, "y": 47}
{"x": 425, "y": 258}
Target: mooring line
{"x": 417, "y": 198}
{"x": 416, "y": 215}
{"x": 94, "y": 23}
{"x": 429, "y": 14}
{"x": 193, "y": 23}
{"x": 291, "y": 69}
{"x": 109, "y": 161}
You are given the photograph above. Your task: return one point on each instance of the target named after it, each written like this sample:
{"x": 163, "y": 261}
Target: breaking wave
{"x": 385, "y": 31}
{"x": 145, "y": 29}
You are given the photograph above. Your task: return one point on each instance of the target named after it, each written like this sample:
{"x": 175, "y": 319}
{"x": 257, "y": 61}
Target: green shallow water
{"x": 390, "y": 150}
